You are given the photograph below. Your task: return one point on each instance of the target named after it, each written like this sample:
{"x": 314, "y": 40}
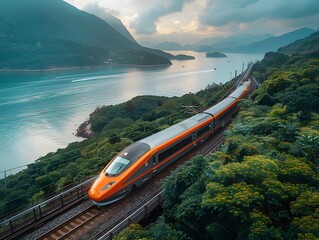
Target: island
{"x": 184, "y": 57}
{"x": 215, "y": 55}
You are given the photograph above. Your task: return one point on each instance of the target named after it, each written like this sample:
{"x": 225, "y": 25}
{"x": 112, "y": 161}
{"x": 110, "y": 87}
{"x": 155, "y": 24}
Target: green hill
{"x": 303, "y": 46}
{"x": 57, "y": 32}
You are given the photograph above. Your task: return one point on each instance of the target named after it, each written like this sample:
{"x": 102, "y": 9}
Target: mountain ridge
{"x": 265, "y": 43}
{"x": 273, "y": 43}
{"x": 52, "y": 25}
{"x": 59, "y": 19}
{"x": 302, "y": 46}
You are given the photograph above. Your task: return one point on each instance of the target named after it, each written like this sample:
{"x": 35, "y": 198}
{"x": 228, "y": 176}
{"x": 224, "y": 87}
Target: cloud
{"x": 221, "y": 12}
{"x": 101, "y": 12}
{"x": 145, "y": 23}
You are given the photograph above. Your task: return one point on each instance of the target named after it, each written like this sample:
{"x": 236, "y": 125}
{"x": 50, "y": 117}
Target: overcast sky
{"x": 187, "y": 21}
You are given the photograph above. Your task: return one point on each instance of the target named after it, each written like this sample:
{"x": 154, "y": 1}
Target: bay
{"x": 40, "y": 111}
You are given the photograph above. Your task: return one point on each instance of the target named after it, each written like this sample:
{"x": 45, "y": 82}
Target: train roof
{"x": 219, "y": 107}
{"x": 239, "y": 91}
{"x": 175, "y": 130}
{"x": 246, "y": 83}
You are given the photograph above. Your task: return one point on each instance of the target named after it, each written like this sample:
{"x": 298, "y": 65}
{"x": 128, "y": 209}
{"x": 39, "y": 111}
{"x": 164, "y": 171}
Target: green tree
{"x": 296, "y": 171}
{"x": 133, "y": 232}
{"x": 261, "y": 227}
{"x": 164, "y": 231}
{"x": 306, "y": 210}
{"x": 237, "y": 199}
{"x": 310, "y": 147}
{"x": 304, "y": 98}
{"x": 288, "y": 132}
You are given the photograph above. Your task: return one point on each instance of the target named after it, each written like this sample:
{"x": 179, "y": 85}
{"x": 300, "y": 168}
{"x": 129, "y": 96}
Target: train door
{"x": 148, "y": 166}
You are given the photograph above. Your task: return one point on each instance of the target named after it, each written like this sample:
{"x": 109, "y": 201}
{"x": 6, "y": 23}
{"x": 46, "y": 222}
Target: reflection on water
{"x": 40, "y": 111}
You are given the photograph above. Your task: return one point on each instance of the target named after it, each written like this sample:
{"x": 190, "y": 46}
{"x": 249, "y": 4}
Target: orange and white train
{"x": 138, "y": 162}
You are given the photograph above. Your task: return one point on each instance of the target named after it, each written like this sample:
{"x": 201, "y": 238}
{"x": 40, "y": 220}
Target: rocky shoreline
{"x": 85, "y": 131}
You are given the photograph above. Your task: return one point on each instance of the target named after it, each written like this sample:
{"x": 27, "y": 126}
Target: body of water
{"x": 40, "y": 111}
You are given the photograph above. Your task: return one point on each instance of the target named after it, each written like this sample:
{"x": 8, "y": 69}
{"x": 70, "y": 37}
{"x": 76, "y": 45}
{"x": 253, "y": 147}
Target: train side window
{"x": 227, "y": 113}
{"x": 203, "y": 130}
{"x": 170, "y": 151}
{"x": 154, "y": 160}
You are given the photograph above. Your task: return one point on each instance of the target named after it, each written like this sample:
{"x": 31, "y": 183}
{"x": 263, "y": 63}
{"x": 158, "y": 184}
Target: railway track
{"x": 66, "y": 229}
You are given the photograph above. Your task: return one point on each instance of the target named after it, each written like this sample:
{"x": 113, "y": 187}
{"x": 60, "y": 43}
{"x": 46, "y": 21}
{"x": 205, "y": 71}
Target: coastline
{"x": 78, "y": 67}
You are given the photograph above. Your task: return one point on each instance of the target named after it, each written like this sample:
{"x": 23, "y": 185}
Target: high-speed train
{"x": 141, "y": 160}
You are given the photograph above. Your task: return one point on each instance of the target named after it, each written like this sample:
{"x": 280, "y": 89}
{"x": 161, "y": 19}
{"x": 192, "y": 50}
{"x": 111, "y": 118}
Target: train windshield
{"x": 127, "y": 157}
{"x": 117, "y": 166}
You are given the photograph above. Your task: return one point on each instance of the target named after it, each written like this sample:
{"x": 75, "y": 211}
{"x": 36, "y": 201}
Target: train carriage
{"x": 138, "y": 162}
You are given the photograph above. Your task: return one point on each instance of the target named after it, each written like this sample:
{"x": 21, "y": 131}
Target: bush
{"x": 265, "y": 99}
{"x": 264, "y": 128}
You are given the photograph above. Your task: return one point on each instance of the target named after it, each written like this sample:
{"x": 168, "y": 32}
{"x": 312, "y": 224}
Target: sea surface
{"x": 40, "y": 111}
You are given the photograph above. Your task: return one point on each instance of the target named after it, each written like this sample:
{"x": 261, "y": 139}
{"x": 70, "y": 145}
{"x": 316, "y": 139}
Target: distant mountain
{"x": 272, "y": 43}
{"x": 306, "y": 45}
{"x": 147, "y": 44}
{"x": 234, "y": 40}
{"x": 210, "y": 44}
{"x": 169, "y": 46}
{"x": 169, "y": 55}
{"x": 204, "y": 48}
{"x": 39, "y": 30}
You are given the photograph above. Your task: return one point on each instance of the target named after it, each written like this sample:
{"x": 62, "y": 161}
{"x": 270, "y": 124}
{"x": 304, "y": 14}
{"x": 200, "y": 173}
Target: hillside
{"x": 58, "y": 19}
{"x": 302, "y": 46}
{"x": 52, "y": 26}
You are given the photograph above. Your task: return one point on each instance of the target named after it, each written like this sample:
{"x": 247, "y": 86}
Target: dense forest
{"x": 115, "y": 127}
{"x": 263, "y": 182}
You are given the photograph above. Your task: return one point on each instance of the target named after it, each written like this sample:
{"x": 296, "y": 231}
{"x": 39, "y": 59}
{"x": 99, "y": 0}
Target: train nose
{"x": 94, "y": 194}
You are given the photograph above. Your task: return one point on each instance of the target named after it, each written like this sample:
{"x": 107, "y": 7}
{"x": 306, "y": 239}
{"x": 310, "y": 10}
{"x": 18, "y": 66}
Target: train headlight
{"x": 107, "y": 186}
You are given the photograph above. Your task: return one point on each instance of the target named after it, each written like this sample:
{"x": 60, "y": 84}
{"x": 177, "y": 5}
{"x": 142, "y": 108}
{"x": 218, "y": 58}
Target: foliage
{"x": 134, "y": 231}
{"x": 310, "y": 147}
{"x": 157, "y": 231}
